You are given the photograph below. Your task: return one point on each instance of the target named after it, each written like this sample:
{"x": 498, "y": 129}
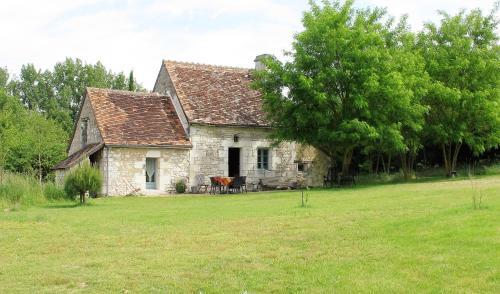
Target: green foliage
{"x": 81, "y": 180}
{"x": 58, "y": 93}
{"x": 131, "y": 82}
{"x": 180, "y": 186}
{"x": 19, "y": 191}
{"x": 350, "y": 78}
{"x": 31, "y": 143}
{"x": 53, "y": 192}
{"x": 462, "y": 58}
{"x": 4, "y": 77}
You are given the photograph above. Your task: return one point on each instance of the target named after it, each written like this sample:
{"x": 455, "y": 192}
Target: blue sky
{"x": 137, "y": 35}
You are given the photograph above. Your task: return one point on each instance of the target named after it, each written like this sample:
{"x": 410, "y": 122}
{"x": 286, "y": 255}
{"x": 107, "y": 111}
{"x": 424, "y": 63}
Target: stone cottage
{"x": 199, "y": 120}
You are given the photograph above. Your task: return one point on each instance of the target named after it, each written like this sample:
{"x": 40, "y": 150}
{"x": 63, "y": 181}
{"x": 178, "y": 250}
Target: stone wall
{"x": 209, "y": 155}
{"x": 124, "y": 173}
{"x": 316, "y": 164}
{"x": 93, "y": 134}
{"x": 164, "y": 86}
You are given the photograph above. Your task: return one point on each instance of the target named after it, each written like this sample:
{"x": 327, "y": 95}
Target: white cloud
{"x": 216, "y": 8}
{"x": 137, "y": 35}
{"x": 423, "y": 11}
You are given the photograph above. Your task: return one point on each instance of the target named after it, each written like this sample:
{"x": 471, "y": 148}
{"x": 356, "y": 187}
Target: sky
{"x": 137, "y": 35}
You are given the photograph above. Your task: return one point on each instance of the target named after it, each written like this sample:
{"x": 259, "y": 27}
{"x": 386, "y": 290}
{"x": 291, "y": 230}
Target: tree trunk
{"x": 346, "y": 162}
{"x": 384, "y": 168}
{"x": 450, "y": 156}
{"x": 389, "y": 164}
{"x": 455, "y": 157}
{"x": 40, "y": 169}
{"x": 407, "y": 161}
{"x": 82, "y": 197}
{"x": 378, "y": 162}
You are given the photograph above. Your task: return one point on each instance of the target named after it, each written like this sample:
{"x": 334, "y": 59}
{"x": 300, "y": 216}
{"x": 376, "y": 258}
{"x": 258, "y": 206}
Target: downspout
{"x": 107, "y": 171}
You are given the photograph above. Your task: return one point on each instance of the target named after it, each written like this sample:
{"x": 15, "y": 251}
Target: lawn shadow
{"x": 62, "y": 205}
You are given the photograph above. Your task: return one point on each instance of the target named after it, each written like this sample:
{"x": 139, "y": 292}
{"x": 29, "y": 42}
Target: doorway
{"x": 151, "y": 173}
{"x": 234, "y": 162}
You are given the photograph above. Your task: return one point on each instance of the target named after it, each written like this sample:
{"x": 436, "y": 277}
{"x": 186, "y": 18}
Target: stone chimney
{"x": 259, "y": 65}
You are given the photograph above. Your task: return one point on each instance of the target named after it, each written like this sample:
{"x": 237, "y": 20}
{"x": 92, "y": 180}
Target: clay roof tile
{"x": 216, "y": 95}
{"x": 135, "y": 118}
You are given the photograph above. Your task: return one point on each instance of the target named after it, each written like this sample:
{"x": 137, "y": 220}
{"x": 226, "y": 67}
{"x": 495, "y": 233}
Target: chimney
{"x": 259, "y": 65}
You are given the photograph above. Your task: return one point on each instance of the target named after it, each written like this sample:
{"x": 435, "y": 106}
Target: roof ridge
{"x": 207, "y": 65}
{"x": 126, "y": 91}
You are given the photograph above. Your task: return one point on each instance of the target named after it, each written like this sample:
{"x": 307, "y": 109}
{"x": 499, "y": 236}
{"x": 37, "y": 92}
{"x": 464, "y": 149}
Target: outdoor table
{"x": 224, "y": 181}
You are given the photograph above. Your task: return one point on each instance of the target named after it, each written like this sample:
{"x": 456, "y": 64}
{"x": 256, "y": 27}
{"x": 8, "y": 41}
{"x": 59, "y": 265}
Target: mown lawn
{"x": 404, "y": 238}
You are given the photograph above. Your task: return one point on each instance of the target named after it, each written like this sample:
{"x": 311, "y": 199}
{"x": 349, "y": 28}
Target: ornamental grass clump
{"x": 20, "y": 191}
{"x": 82, "y": 180}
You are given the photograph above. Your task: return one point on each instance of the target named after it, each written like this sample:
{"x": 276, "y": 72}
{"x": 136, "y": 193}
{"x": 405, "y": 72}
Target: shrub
{"x": 81, "y": 180}
{"x": 180, "y": 186}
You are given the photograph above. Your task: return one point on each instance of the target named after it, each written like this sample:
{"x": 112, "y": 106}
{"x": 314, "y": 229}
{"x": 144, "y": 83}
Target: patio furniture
{"x": 214, "y": 185}
{"x": 220, "y": 183}
{"x": 238, "y": 184}
{"x": 200, "y": 180}
{"x": 243, "y": 184}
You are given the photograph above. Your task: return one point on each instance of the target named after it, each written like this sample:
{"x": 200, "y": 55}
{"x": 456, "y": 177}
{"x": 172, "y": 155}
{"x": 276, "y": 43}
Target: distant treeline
{"x": 38, "y": 109}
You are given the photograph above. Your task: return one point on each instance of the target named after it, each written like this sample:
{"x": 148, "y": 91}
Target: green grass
{"x": 399, "y": 238}
{"x": 23, "y": 191}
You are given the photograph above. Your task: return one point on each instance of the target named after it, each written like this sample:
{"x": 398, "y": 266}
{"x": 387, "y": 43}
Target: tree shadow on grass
{"x": 64, "y": 205}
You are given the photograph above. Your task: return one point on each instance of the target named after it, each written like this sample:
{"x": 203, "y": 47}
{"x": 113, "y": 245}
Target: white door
{"x": 151, "y": 173}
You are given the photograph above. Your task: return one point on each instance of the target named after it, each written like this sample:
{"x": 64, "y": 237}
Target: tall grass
{"x": 17, "y": 191}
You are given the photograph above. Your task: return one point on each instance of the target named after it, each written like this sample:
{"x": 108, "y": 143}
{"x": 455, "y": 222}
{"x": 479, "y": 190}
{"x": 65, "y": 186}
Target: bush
{"x": 81, "y": 180}
{"x": 180, "y": 187}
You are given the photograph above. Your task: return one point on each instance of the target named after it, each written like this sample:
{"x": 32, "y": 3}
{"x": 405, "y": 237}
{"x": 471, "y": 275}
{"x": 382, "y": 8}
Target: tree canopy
{"x": 38, "y": 109}
{"x": 58, "y": 93}
{"x": 352, "y": 74}
{"x": 462, "y": 57}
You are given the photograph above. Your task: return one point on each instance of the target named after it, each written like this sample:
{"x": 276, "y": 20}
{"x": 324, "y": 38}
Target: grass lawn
{"x": 404, "y": 238}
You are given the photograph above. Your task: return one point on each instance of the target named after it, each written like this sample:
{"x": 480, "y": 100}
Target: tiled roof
{"x": 75, "y": 157}
{"x": 134, "y": 118}
{"x": 216, "y": 95}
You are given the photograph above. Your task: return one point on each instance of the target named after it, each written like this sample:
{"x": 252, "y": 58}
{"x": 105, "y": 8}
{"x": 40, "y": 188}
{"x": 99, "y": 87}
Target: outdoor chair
{"x": 238, "y": 184}
{"x": 214, "y": 186}
{"x": 235, "y": 185}
{"x": 243, "y": 184}
{"x": 200, "y": 180}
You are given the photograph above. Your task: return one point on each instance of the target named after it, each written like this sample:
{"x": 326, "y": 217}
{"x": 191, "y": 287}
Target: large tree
{"x": 403, "y": 116}
{"x": 344, "y": 87}
{"x": 58, "y": 93}
{"x": 30, "y": 143}
{"x": 462, "y": 58}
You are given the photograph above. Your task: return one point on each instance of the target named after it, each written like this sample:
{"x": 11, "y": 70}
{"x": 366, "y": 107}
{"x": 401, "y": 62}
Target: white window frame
{"x": 260, "y": 158}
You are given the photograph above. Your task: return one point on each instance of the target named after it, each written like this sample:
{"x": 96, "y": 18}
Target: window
{"x": 302, "y": 166}
{"x": 85, "y": 126}
{"x": 263, "y": 158}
